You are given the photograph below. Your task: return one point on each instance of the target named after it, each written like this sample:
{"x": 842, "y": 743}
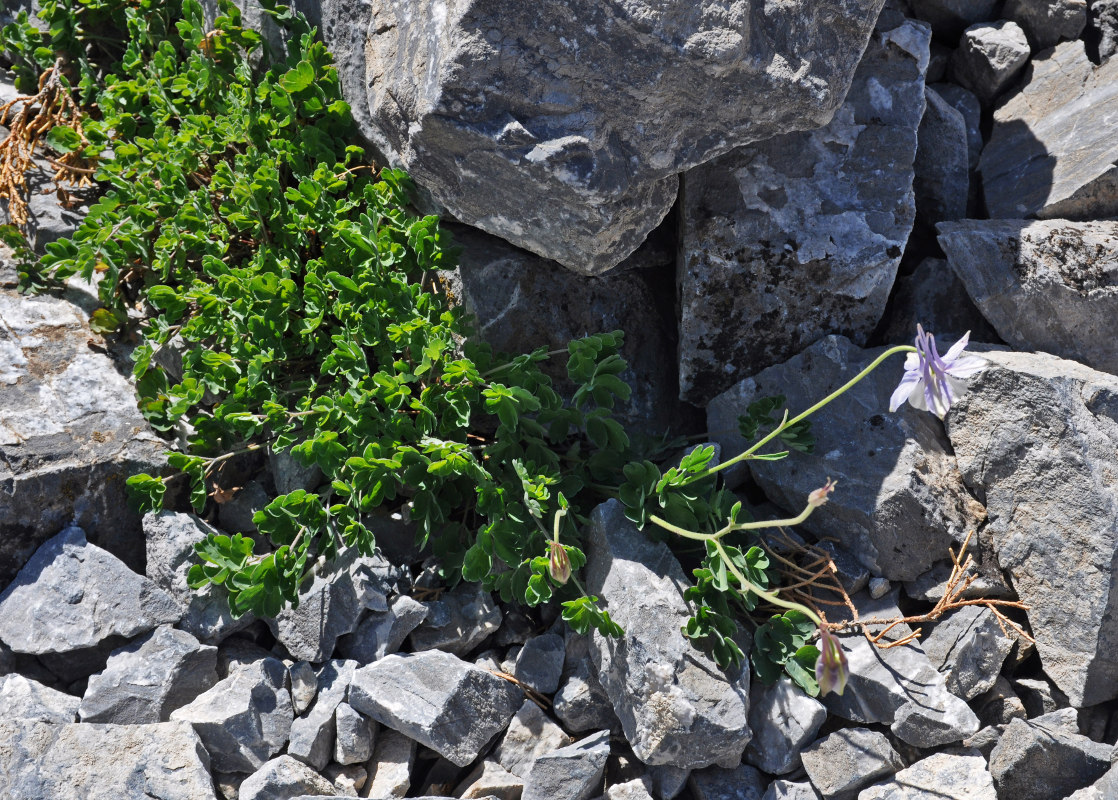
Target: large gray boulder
{"x": 960, "y": 775}
{"x": 73, "y": 596}
{"x": 1047, "y": 22}
{"x": 942, "y": 167}
{"x": 1045, "y": 761}
{"x": 436, "y": 699}
{"x": 675, "y": 704}
{"x": 561, "y": 126}
{"x": 164, "y": 761}
{"x": 1043, "y": 285}
{"x": 70, "y": 434}
{"x": 1036, "y": 435}
{"x": 900, "y": 502}
{"x": 573, "y": 772}
{"x": 1050, "y": 153}
{"x": 799, "y": 236}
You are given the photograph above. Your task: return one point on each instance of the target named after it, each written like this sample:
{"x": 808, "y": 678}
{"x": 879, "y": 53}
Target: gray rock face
{"x": 719, "y": 783}
{"x": 70, "y": 434}
{"x": 968, "y": 648}
{"x": 165, "y": 761}
{"x": 1047, "y": 22}
{"x": 675, "y": 704}
{"x": 964, "y": 101}
{"x": 926, "y": 725}
{"x": 1044, "y": 285}
{"x": 530, "y": 735}
{"x": 380, "y": 634}
{"x": 147, "y": 679}
{"x": 847, "y": 760}
{"x": 989, "y": 57}
{"x": 942, "y": 166}
{"x": 26, "y": 699}
{"x": 390, "y": 766}
{"x": 313, "y": 734}
{"x": 170, "y": 537}
{"x": 1049, "y": 154}
{"x": 573, "y": 772}
{"x": 245, "y": 719}
{"x": 934, "y": 297}
{"x": 1104, "y": 25}
{"x": 332, "y": 604}
{"x": 561, "y": 128}
{"x": 458, "y": 622}
{"x": 490, "y": 779}
{"x": 957, "y": 775}
{"x": 282, "y": 778}
{"x": 304, "y": 685}
{"x": 1102, "y": 789}
{"x": 1037, "y": 435}
{"x": 799, "y": 236}
{"x": 789, "y": 790}
{"x": 436, "y": 699}
{"x": 900, "y": 501}
{"x": 948, "y": 18}
{"x": 73, "y": 595}
{"x": 783, "y": 720}
{"x": 582, "y": 704}
{"x": 540, "y": 663}
{"x": 522, "y": 302}
{"x": 355, "y": 736}
{"x": 1045, "y": 762}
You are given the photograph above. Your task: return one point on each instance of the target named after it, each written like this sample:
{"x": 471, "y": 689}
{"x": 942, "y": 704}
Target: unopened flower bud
{"x": 559, "y": 564}
{"x": 831, "y": 668}
{"x": 819, "y": 496}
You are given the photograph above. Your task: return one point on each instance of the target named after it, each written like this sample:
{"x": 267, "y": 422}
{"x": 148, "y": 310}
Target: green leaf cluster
{"x": 758, "y": 420}
{"x": 781, "y": 646}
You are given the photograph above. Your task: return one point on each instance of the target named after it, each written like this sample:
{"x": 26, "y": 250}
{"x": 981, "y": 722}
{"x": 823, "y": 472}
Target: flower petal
{"x": 965, "y": 367}
{"x": 904, "y": 390}
{"x": 957, "y": 348}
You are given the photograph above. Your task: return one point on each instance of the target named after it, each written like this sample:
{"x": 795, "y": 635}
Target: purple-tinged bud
{"x": 831, "y": 668}
{"x": 819, "y": 496}
{"x": 559, "y": 564}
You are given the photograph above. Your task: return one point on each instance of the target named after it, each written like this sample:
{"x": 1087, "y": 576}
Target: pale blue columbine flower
{"x": 933, "y": 383}
{"x": 832, "y": 668}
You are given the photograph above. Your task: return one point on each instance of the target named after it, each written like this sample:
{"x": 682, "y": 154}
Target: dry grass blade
{"x": 30, "y": 118}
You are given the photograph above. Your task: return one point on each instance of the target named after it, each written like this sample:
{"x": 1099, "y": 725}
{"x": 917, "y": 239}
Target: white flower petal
{"x": 906, "y": 389}
{"x": 965, "y": 367}
{"x": 912, "y": 361}
{"x": 957, "y": 348}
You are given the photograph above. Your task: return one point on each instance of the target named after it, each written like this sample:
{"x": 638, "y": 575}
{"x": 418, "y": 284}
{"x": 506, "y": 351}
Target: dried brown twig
{"x": 29, "y": 118}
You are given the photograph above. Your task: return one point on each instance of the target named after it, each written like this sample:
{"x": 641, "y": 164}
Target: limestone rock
{"x": 1104, "y": 26}
{"x": 933, "y": 296}
{"x": 1047, "y": 22}
{"x": 1050, "y": 153}
{"x": 304, "y": 685}
{"x": 675, "y": 704}
{"x": 539, "y": 664}
{"x": 965, "y": 102}
{"x": 1036, "y": 436}
{"x": 900, "y": 501}
{"x": 170, "y": 537}
{"x": 458, "y": 622}
{"x": 1044, "y": 762}
{"x": 73, "y": 595}
{"x": 847, "y": 760}
{"x": 942, "y": 168}
{"x": 244, "y": 719}
{"x": 490, "y": 779}
{"x": 530, "y": 735}
{"x": 989, "y": 57}
{"x": 284, "y": 777}
{"x": 1044, "y": 285}
{"x": 561, "y": 128}
{"x": 436, "y": 699}
{"x": 789, "y": 790}
{"x": 799, "y": 236}
{"x": 581, "y": 702}
{"x": 381, "y": 633}
{"x": 720, "y": 783}
{"x": 573, "y": 772}
{"x": 968, "y": 648}
{"x": 1104, "y": 788}
{"x": 354, "y": 737}
{"x": 962, "y": 776}
{"x": 164, "y": 761}
{"x": 26, "y": 699}
{"x": 312, "y": 735}
{"x": 150, "y": 677}
{"x": 783, "y": 720}
{"x": 390, "y": 766}
{"x": 70, "y": 434}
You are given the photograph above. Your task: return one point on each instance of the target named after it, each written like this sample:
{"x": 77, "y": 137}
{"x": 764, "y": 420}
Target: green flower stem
{"x": 787, "y": 423}
{"x": 772, "y": 597}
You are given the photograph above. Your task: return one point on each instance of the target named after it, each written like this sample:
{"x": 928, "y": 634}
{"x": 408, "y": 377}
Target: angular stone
{"x": 332, "y": 604}
{"x": 70, "y": 434}
{"x": 788, "y": 790}
{"x": 244, "y": 719}
{"x": 999, "y": 705}
{"x": 1104, "y": 788}
{"x": 390, "y": 766}
{"x": 1039, "y": 696}
{"x": 73, "y": 595}
{"x": 170, "y": 537}
{"x": 848, "y": 760}
{"x": 530, "y": 734}
{"x": 458, "y": 622}
{"x": 490, "y": 779}
{"x": 968, "y": 647}
{"x": 1036, "y": 436}
{"x": 26, "y": 699}
{"x": 961, "y": 775}
{"x": 582, "y": 704}
{"x": 926, "y": 725}
{"x": 568, "y": 143}
{"x": 1104, "y": 27}
{"x": 304, "y": 685}
{"x": 675, "y": 704}
{"x": 942, "y": 168}
{"x": 1050, "y": 153}
{"x": 381, "y": 634}
{"x": 1047, "y": 22}
{"x": 964, "y": 101}
{"x": 284, "y": 777}
{"x": 800, "y": 236}
{"x": 436, "y": 699}
{"x": 540, "y": 663}
{"x": 150, "y": 677}
{"x": 784, "y": 720}
{"x": 573, "y": 772}
{"x": 355, "y": 735}
{"x": 629, "y": 790}
{"x": 933, "y": 296}
{"x": 718, "y": 783}
{"x": 949, "y": 18}
{"x": 1044, "y": 285}
{"x": 900, "y": 502}
{"x": 1044, "y": 762}
{"x": 348, "y": 779}
{"x": 989, "y": 57}
{"x": 312, "y": 735}
{"x": 103, "y": 762}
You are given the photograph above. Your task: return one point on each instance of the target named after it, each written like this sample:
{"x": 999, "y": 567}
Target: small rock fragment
{"x": 312, "y": 735}
{"x": 1047, "y": 22}
{"x": 490, "y": 779}
{"x": 989, "y": 57}
{"x": 942, "y": 166}
{"x": 381, "y": 634}
{"x": 530, "y": 734}
{"x": 719, "y": 783}
{"x": 1045, "y": 762}
{"x": 582, "y": 704}
{"x": 354, "y": 736}
{"x": 304, "y": 685}
{"x": 968, "y": 647}
{"x": 540, "y": 663}
{"x": 284, "y": 777}
{"x": 458, "y": 622}
{"x": 573, "y": 772}
{"x": 783, "y": 720}
{"x": 390, "y": 767}
{"x": 960, "y": 775}
{"x": 26, "y": 699}
{"x": 789, "y": 790}
{"x": 848, "y": 760}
